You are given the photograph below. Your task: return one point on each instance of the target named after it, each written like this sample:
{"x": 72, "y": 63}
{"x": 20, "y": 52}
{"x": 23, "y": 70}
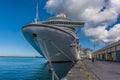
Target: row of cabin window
{"x": 59, "y": 18}
{"x": 54, "y": 22}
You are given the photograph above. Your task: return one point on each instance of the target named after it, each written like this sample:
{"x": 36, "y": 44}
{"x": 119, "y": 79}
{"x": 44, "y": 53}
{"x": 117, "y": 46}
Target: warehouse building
{"x": 108, "y": 53}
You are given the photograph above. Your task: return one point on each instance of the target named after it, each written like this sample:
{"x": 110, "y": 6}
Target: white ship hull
{"x": 51, "y": 42}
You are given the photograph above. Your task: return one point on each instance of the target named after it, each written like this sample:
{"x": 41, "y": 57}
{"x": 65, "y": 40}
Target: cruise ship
{"x": 55, "y": 39}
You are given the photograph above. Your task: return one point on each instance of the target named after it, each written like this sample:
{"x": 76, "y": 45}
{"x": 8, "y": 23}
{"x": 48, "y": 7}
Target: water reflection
{"x": 30, "y": 69}
{"x": 43, "y": 73}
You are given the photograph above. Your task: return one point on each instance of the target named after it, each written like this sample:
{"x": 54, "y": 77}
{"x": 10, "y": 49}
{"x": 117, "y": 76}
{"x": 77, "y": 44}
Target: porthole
{"x": 34, "y": 35}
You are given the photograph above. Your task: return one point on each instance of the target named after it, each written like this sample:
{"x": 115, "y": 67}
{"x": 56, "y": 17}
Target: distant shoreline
{"x": 21, "y": 57}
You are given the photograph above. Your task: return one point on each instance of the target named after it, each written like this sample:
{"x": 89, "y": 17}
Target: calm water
{"x": 30, "y": 69}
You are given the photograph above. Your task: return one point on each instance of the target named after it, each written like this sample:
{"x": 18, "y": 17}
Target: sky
{"x": 102, "y": 22}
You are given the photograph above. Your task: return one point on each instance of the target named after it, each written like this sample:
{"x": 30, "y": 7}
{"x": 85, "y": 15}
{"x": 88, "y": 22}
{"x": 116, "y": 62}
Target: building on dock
{"x": 108, "y": 53}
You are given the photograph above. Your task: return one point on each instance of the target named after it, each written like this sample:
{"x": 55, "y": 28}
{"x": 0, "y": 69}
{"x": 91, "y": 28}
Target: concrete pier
{"x": 79, "y": 72}
{"x": 99, "y": 70}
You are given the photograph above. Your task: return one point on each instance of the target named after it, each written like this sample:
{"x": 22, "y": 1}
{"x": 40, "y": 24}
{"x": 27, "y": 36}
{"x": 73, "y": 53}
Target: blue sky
{"x": 14, "y": 14}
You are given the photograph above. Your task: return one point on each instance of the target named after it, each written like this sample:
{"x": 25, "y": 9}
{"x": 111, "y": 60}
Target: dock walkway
{"x": 99, "y": 70}
{"x": 79, "y": 72}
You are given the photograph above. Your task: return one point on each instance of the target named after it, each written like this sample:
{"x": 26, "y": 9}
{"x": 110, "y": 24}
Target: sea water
{"x": 30, "y": 69}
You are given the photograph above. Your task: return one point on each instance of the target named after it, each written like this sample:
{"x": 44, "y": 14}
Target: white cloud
{"x": 98, "y": 14}
{"x": 99, "y": 34}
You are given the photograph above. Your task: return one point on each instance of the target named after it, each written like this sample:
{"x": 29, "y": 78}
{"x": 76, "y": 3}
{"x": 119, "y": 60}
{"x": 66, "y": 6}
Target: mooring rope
{"x": 54, "y": 75}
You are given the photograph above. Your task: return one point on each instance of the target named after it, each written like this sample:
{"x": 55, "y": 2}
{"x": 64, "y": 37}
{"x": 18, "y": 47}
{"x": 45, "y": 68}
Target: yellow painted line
{"x": 86, "y": 71}
{"x": 81, "y": 70}
{"x": 88, "y": 74}
{"x": 89, "y": 78}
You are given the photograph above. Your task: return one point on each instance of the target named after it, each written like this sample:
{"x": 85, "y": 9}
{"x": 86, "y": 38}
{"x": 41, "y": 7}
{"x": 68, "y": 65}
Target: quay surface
{"x": 79, "y": 72}
{"x": 99, "y": 70}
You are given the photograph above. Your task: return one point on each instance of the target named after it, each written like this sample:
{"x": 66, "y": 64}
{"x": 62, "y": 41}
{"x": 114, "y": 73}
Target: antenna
{"x": 36, "y": 18}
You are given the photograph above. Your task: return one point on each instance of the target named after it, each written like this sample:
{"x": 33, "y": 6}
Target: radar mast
{"x": 36, "y": 17}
